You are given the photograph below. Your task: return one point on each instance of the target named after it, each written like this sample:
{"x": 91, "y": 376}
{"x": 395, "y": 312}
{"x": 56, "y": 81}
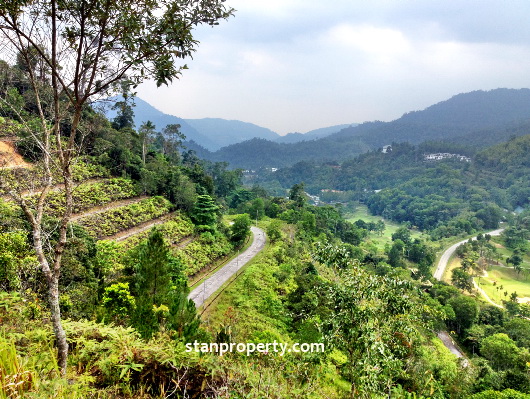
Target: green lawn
{"x": 453, "y": 263}
{"x": 361, "y": 212}
{"x": 510, "y": 281}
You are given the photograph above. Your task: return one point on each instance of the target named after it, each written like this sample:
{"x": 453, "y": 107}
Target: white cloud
{"x": 369, "y": 39}
{"x": 294, "y": 65}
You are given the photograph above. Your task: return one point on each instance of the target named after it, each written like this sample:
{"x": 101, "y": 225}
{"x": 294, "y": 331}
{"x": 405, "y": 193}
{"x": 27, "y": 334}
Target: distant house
{"x": 386, "y": 149}
{"x": 328, "y": 190}
{"x": 445, "y": 155}
{"x": 271, "y": 169}
{"x": 314, "y": 198}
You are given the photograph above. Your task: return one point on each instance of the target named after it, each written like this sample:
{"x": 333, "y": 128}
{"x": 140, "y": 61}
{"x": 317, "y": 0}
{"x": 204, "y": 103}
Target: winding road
{"x": 444, "y": 259}
{"x": 438, "y": 274}
{"x": 213, "y": 283}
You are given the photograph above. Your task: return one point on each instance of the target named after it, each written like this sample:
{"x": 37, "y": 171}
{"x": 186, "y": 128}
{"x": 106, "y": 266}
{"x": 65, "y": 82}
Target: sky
{"x": 298, "y": 65}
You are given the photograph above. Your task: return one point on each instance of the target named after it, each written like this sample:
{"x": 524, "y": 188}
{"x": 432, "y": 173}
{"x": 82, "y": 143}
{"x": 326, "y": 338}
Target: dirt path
{"x": 102, "y": 208}
{"x": 200, "y": 294}
{"x": 486, "y": 297}
{"x": 124, "y": 234}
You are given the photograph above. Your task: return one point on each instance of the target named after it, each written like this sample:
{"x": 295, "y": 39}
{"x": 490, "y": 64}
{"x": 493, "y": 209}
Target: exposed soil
{"x": 10, "y": 158}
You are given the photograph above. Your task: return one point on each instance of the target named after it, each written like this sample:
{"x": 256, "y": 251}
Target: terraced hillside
{"x": 111, "y": 210}
{"x": 114, "y": 212}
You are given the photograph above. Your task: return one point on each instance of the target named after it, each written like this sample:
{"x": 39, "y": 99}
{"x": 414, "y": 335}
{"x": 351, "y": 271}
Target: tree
{"x": 172, "y": 141}
{"x": 125, "y": 113}
{"x": 152, "y": 282}
{"x": 240, "y": 230}
{"x": 519, "y": 331}
{"x": 469, "y": 261}
{"x": 205, "y": 212}
{"x": 297, "y": 194}
{"x": 75, "y": 51}
{"x": 402, "y": 234}
{"x": 118, "y": 302}
{"x": 147, "y": 133}
{"x": 368, "y": 326}
{"x": 516, "y": 261}
{"x": 160, "y": 287}
{"x": 380, "y": 227}
{"x": 462, "y": 279}
{"x": 395, "y": 255}
{"x": 466, "y": 312}
{"x": 274, "y": 230}
{"x": 501, "y": 351}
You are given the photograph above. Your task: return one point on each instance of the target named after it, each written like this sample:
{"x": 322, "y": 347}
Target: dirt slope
{"x": 9, "y": 157}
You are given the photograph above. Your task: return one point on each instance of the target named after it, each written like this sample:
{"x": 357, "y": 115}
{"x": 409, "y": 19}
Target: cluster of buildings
{"x": 445, "y": 155}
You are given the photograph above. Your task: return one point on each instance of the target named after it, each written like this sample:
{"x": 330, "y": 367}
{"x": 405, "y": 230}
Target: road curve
{"x": 438, "y": 274}
{"x": 200, "y": 294}
{"x": 444, "y": 259}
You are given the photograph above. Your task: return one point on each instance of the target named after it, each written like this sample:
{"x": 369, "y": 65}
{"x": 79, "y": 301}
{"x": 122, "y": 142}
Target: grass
{"x": 361, "y": 212}
{"x": 453, "y": 263}
{"x": 508, "y": 279}
{"x": 221, "y": 295}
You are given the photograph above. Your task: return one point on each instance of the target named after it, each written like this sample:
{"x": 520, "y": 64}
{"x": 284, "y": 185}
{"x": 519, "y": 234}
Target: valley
{"x": 123, "y": 243}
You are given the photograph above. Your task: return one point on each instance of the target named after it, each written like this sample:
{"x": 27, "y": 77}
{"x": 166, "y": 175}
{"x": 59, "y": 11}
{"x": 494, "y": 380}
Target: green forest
{"x": 107, "y": 227}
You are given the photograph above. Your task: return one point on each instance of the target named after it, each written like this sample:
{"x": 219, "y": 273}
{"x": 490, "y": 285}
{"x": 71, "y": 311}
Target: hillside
{"x": 478, "y": 113}
{"x": 9, "y": 157}
{"x": 312, "y": 134}
{"x": 258, "y": 153}
{"x": 476, "y": 119}
{"x": 315, "y": 273}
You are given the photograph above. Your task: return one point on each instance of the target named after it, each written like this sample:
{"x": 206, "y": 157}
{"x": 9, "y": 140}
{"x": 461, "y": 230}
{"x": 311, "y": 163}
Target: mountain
{"x": 478, "y": 113}
{"x": 476, "y": 119}
{"x": 224, "y": 132}
{"x": 215, "y": 133}
{"x": 143, "y": 111}
{"x": 313, "y": 134}
{"x": 256, "y": 153}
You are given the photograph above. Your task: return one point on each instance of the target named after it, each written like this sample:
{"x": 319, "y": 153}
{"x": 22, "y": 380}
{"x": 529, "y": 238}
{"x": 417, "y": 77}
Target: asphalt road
{"x": 444, "y": 259}
{"x": 438, "y": 274}
{"x": 201, "y": 293}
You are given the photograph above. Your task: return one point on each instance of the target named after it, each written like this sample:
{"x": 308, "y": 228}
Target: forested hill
{"x": 478, "y": 114}
{"x": 257, "y": 153}
{"x": 476, "y": 119}
{"x": 446, "y": 197}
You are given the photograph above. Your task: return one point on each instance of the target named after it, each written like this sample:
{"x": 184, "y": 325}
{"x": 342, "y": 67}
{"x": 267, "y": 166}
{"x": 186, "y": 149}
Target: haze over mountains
{"x": 211, "y": 134}
{"x": 477, "y": 119}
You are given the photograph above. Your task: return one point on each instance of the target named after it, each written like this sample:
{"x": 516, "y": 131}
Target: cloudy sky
{"x": 298, "y": 65}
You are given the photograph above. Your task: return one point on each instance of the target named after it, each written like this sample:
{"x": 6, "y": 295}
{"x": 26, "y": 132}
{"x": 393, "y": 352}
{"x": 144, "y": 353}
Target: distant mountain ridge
{"x": 215, "y": 133}
{"x": 224, "y": 132}
{"x": 313, "y": 134}
{"x": 477, "y": 119}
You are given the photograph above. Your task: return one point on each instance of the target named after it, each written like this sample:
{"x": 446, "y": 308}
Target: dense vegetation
{"x": 446, "y": 197}
{"x": 125, "y": 307}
